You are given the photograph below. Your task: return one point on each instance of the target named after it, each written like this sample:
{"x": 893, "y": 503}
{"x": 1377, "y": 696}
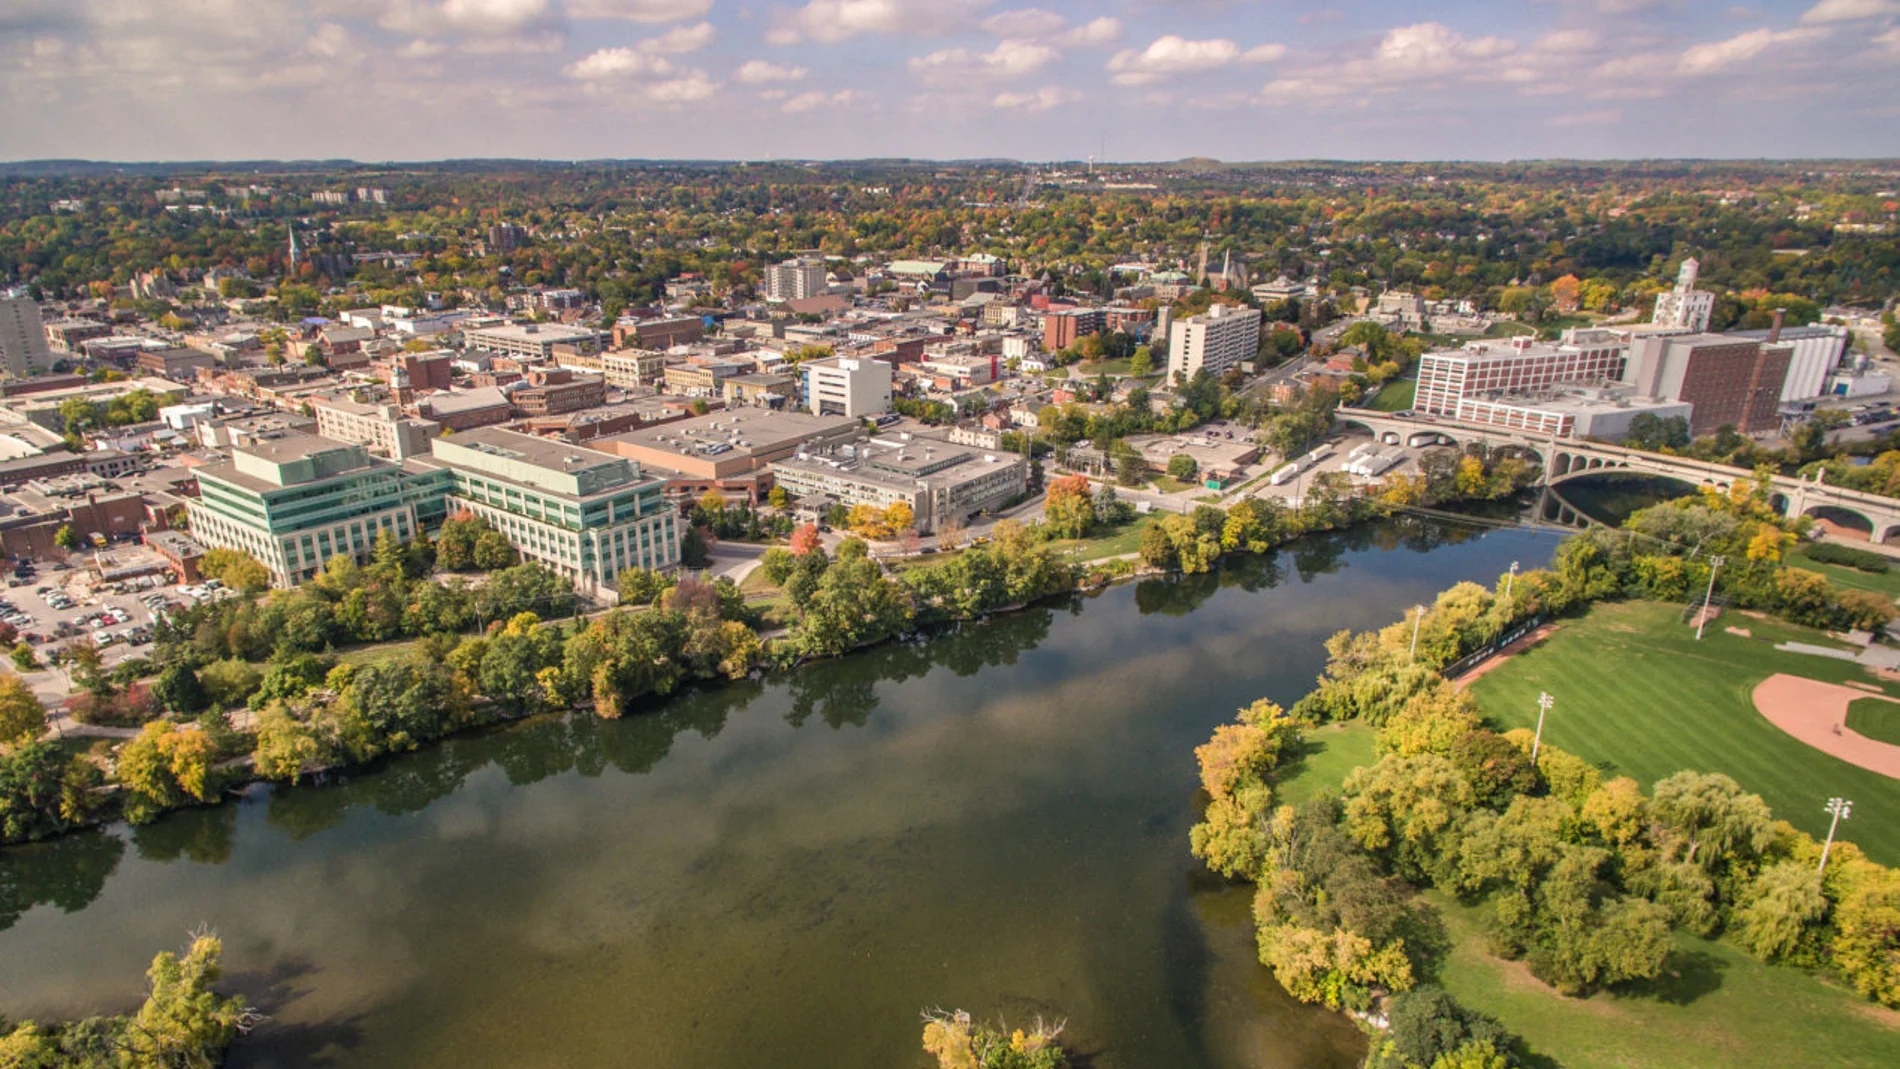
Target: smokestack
{"x": 1774, "y": 332}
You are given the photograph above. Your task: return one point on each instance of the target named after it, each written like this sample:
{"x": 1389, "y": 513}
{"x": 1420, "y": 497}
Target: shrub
{"x": 1860, "y": 560}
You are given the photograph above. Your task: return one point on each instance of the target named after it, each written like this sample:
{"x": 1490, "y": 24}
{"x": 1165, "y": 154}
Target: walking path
{"x": 1816, "y": 713}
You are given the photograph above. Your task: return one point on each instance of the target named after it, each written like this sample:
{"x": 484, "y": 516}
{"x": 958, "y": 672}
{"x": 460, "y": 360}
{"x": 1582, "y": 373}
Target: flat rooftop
{"x": 533, "y": 332}
{"x": 747, "y": 429}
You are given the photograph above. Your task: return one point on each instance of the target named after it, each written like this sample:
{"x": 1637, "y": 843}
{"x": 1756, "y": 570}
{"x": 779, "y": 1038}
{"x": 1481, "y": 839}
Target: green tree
{"x": 1778, "y": 909}
{"x": 22, "y": 717}
{"x": 165, "y": 766}
{"x": 179, "y": 688}
{"x": 65, "y": 537}
{"x": 235, "y": 569}
{"x": 184, "y": 1023}
{"x": 229, "y": 682}
{"x": 1182, "y": 467}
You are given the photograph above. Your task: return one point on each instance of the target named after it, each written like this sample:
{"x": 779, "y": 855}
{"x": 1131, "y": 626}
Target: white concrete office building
{"x": 851, "y": 386}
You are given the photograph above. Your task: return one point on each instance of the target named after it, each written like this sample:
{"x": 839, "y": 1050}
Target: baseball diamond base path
{"x": 1816, "y": 713}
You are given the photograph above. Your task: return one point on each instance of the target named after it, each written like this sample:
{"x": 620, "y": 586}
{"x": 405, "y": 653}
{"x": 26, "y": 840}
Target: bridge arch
{"x": 1844, "y": 522}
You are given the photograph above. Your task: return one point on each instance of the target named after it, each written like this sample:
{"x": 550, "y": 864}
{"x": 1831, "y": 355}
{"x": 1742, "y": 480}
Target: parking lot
{"x": 52, "y": 605}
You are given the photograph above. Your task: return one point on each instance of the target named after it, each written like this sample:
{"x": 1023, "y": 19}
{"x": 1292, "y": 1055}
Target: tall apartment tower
{"x": 1685, "y": 307}
{"x": 795, "y": 280}
{"x": 1216, "y": 340}
{"x": 23, "y": 348}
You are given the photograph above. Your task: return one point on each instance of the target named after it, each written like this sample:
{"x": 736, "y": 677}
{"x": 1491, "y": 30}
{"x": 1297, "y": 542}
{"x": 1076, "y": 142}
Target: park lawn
{"x": 1325, "y": 757}
{"x": 1168, "y": 484}
{"x": 372, "y": 654}
{"x": 1122, "y": 540}
{"x": 755, "y": 582}
{"x": 1887, "y": 582}
{"x": 1721, "y": 1009}
{"x": 1875, "y": 719}
{"x": 1397, "y": 396}
{"x": 1111, "y": 368}
{"x": 1636, "y": 694}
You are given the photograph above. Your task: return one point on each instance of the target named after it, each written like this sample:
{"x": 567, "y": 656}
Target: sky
{"x": 1126, "y": 80}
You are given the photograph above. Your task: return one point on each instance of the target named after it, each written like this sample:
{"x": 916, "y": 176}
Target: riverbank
{"x": 872, "y": 603}
{"x": 798, "y": 862}
{"x": 1580, "y": 881}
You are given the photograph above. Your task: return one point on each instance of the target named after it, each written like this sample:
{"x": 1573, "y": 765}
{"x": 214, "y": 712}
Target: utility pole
{"x": 1841, "y": 808}
{"x": 1544, "y": 702}
{"x": 1417, "y": 619}
{"x": 1715, "y": 565}
{"x": 1509, "y": 579}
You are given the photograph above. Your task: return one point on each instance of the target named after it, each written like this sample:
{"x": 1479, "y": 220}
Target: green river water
{"x": 780, "y": 873}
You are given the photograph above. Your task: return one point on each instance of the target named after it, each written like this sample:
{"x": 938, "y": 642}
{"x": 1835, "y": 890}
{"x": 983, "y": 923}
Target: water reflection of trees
{"x": 72, "y": 871}
{"x": 68, "y": 872}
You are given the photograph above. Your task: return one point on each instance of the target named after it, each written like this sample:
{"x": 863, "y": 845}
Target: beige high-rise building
{"x": 1214, "y": 341}
{"x": 23, "y": 348}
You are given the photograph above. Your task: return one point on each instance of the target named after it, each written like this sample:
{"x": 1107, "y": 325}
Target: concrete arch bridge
{"x": 1851, "y": 512}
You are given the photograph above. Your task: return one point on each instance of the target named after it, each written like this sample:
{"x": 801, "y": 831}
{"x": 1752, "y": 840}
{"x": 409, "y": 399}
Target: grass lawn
{"x": 1168, "y": 484}
{"x": 1123, "y": 539}
{"x": 1638, "y": 695}
{"x": 1325, "y": 757}
{"x": 1397, "y": 396}
{"x": 1111, "y": 368}
{"x": 755, "y": 582}
{"x": 382, "y": 651}
{"x": 1887, "y": 582}
{"x": 1720, "y": 1010}
{"x": 1508, "y": 328}
{"x": 1875, "y": 719}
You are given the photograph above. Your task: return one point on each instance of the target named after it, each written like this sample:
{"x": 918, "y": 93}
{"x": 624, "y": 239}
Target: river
{"x": 779, "y": 873}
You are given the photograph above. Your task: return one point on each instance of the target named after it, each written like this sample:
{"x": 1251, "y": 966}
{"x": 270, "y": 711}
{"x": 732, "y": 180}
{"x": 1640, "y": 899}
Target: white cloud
{"x": 1830, "y": 11}
{"x": 1715, "y": 55}
{"x": 422, "y": 48}
{"x": 811, "y": 101}
{"x": 829, "y": 21}
{"x": 1426, "y": 53}
{"x": 759, "y": 71}
{"x": 681, "y": 40}
{"x": 1009, "y": 59}
{"x": 1170, "y": 55}
{"x": 1049, "y": 96}
{"x": 515, "y": 44}
{"x": 1601, "y": 117}
{"x": 692, "y": 87}
{"x": 1103, "y": 31}
{"x": 652, "y": 11}
{"x": 617, "y": 63}
{"x": 331, "y": 41}
{"x": 494, "y": 16}
{"x": 1025, "y": 22}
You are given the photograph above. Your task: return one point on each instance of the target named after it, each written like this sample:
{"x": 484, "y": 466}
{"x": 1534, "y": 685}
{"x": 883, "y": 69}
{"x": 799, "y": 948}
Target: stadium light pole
{"x": 1842, "y": 809}
{"x": 1510, "y": 578}
{"x": 1417, "y": 619}
{"x": 1715, "y": 565}
{"x": 1544, "y": 702}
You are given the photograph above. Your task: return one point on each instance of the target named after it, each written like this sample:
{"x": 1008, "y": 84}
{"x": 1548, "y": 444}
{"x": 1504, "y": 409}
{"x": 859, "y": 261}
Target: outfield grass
{"x": 1326, "y": 756}
{"x": 1887, "y": 582}
{"x": 1875, "y": 719}
{"x": 1397, "y": 396}
{"x": 1718, "y": 1009}
{"x": 1637, "y": 694}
